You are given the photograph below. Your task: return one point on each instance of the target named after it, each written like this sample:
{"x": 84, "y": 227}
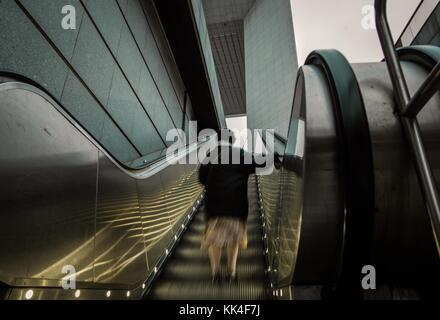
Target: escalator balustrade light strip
{"x": 108, "y": 294}
{"x": 128, "y": 294}
{"x": 29, "y": 294}
{"x": 77, "y": 293}
{"x": 143, "y": 286}
{"x": 155, "y": 270}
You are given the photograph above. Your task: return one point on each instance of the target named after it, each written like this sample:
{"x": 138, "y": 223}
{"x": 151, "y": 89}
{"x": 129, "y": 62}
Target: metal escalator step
{"x": 194, "y": 240}
{"x": 196, "y": 270}
{"x": 195, "y": 254}
{"x": 199, "y": 227}
{"x": 205, "y": 290}
{"x": 186, "y": 275}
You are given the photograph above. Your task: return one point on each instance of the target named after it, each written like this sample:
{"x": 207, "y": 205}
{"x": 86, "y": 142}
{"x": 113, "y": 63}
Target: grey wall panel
{"x": 127, "y": 111}
{"x": 430, "y": 32}
{"x": 101, "y": 10}
{"x": 25, "y": 51}
{"x": 111, "y": 140}
{"x": 112, "y": 43}
{"x": 83, "y": 107}
{"x": 40, "y": 10}
{"x": 137, "y": 21}
{"x": 159, "y": 73}
{"x": 93, "y": 61}
{"x": 164, "y": 49}
{"x": 271, "y": 65}
{"x": 123, "y": 4}
{"x": 130, "y": 58}
{"x": 151, "y": 99}
{"x": 145, "y": 40}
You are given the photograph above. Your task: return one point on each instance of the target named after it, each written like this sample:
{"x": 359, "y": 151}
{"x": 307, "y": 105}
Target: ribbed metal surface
{"x": 187, "y": 274}
{"x": 227, "y": 42}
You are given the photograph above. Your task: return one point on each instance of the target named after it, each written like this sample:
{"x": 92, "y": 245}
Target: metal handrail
{"x": 429, "y": 87}
{"x": 408, "y": 109}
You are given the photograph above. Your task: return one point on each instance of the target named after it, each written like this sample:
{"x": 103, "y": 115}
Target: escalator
{"x": 346, "y": 196}
{"x": 187, "y": 274}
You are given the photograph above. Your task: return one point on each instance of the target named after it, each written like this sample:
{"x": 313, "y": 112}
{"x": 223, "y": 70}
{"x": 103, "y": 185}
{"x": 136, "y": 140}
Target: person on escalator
{"x": 226, "y": 203}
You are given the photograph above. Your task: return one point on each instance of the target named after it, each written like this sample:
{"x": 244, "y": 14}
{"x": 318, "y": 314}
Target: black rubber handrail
{"x": 357, "y": 170}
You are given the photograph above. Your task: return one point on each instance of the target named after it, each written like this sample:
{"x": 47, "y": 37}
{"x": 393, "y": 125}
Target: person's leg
{"x": 215, "y": 254}
{"x": 232, "y": 252}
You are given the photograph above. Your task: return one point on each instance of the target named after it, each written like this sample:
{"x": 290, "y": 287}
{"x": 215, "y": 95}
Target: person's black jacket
{"x": 226, "y": 186}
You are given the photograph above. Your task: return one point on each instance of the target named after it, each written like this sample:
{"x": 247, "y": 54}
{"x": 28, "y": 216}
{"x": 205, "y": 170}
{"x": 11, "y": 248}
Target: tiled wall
{"x": 430, "y": 32}
{"x": 115, "y": 73}
{"x": 271, "y": 65}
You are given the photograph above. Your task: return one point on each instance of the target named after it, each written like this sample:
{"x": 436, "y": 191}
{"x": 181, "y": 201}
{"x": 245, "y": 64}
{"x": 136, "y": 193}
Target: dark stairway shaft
{"x": 187, "y": 274}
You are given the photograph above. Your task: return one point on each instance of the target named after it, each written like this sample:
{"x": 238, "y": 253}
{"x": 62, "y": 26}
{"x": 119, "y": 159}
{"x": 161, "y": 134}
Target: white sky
{"x": 239, "y": 124}
{"x": 337, "y": 24}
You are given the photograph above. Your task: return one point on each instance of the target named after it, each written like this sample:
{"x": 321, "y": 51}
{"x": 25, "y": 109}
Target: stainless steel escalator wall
{"x": 284, "y": 194}
{"x": 403, "y": 246}
{"x": 279, "y": 200}
{"x": 66, "y": 202}
{"x": 303, "y": 204}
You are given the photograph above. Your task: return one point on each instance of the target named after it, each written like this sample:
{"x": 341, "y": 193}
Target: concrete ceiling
{"x": 217, "y": 11}
{"x": 225, "y": 24}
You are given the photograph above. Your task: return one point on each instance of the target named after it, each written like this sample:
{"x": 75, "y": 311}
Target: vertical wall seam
{"x": 73, "y": 53}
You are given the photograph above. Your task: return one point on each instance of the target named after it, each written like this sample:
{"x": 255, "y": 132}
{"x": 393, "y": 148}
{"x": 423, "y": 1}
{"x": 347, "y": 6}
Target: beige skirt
{"x": 225, "y": 231}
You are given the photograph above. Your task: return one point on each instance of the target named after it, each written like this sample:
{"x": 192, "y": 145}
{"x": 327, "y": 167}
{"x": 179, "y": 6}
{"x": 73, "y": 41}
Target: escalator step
{"x": 187, "y": 273}
{"x": 191, "y": 290}
{"x": 196, "y": 270}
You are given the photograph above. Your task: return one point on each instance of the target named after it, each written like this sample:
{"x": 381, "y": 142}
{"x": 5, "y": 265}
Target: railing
{"x": 408, "y": 108}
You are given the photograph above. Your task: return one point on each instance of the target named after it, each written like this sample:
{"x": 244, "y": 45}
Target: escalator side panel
{"x": 66, "y": 202}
